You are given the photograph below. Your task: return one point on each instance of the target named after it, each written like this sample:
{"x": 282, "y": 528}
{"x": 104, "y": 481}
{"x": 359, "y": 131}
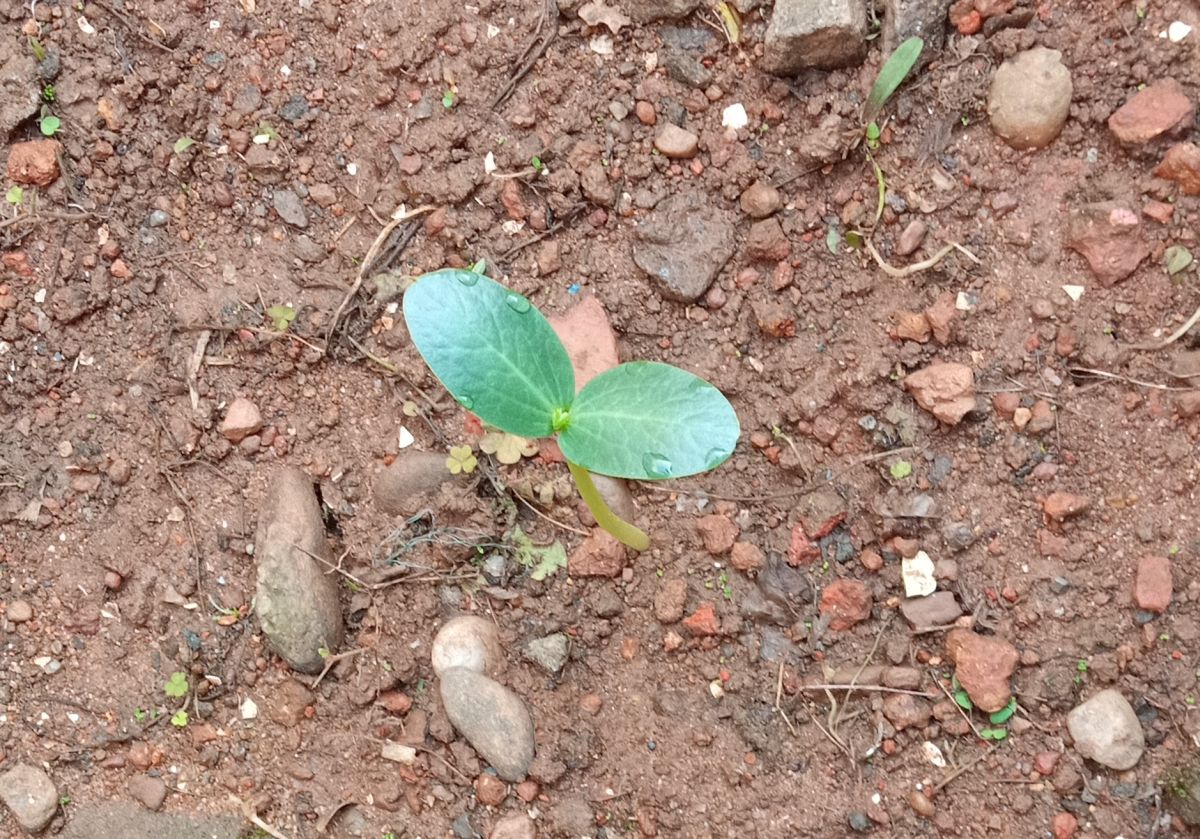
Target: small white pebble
{"x": 735, "y": 116}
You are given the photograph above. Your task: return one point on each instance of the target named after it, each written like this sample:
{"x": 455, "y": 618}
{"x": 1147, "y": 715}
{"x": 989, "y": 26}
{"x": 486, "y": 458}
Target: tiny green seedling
{"x": 183, "y": 144}
{"x": 35, "y": 46}
{"x": 180, "y": 719}
{"x": 49, "y": 124}
{"x": 15, "y": 195}
{"x": 536, "y": 163}
{"x": 500, "y": 359}
{"x": 449, "y": 98}
{"x": 177, "y": 685}
{"x": 49, "y": 93}
{"x": 281, "y": 316}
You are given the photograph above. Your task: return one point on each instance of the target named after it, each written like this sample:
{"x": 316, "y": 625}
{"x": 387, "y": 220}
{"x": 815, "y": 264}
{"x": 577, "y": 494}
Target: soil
{"x": 136, "y": 291}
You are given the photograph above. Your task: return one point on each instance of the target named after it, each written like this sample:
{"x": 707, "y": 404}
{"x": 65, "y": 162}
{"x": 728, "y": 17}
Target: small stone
{"x": 921, "y": 804}
{"x": 296, "y": 599}
{"x": 645, "y": 112}
{"x": 1181, "y": 164}
{"x": 405, "y": 486}
{"x": 859, "y": 821}
{"x": 683, "y": 245}
{"x": 492, "y": 718}
{"x": 113, "y": 581}
{"x": 907, "y": 711}
{"x": 847, "y": 602}
{"x": 945, "y": 389}
{"x": 490, "y": 790}
{"x": 911, "y": 326}
{"x": 550, "y": 653}
{"x": 34, "y": 162}
{"x": 1153, "y": 586}
{"x": 242, "y": 418}
{"x": 600, "y": 555}
{"x": 591, "y": 703}
{"x": 515, "y": 826}
{"x": 911, "y": 237}
{"x": 761, "y": 200}
{"x": 1060, "y": 506}
{"x": 286, "y": 704}
{"x": 1044, "y": 763}
{"x": 767, "y": 241}
{"x": 1157, "y": 110}
{"x": 703, "y": 621}
{"x": 746, "y": 557}
{"x": 1004, "y": 203}
{"x": 1063, "y": 825}
{"x": 1109, "y": 238}
{"x": 1106, "y": 729}
{"x": 937, "y": 609}
{"x": 670, "y": 600}
{"x": 1030, "y": 98}
{"x": 19, "y": 611}
{"x": 942, "y": 315}
{"x": 470, "y": 642}
{"x": 549, "y": 258}
{"x": 983, "y": 665}
{"x": 290, "y": 208}
{"x": 31, "y": 796}
{"x": 718, "y": 533}
{"x": 1160, "y": 211}
{"x": 675, "y": 142}
{"x": 149, "y": 792}
{"x": 814, "y": 33}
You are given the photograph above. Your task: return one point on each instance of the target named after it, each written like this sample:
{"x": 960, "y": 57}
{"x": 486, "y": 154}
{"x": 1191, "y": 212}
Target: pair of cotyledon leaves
{"x": 499, "y": 357}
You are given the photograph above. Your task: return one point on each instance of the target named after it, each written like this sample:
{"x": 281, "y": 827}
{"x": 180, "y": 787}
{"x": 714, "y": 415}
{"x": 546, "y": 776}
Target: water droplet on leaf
{"x": 517, "y": 303}
{"x": 467, "y": 278}
{"x": 656, "y": 465}
{"x": 467, "y": 401}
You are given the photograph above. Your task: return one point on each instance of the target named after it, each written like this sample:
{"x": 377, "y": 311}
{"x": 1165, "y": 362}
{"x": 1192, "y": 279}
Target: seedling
{"x": 499, "y": 358}
{"x": 177, "y": 685}
{"x": 536, "y": 163}
{"x": 49, "y": 124}
{"x": 15, "y": 195}
{"x": 35, "y": 46}
{"x": 183, "y": 144}
{"x": 180, "y": 719}
{"x": 49, "y": 94}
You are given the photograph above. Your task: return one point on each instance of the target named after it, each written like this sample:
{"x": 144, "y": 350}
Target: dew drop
{"x": 715, "y": 458}
{"x": 467, "y": 401}
{"x": 467, "y": 278}
{"x": 517, "y": 303}
{"x": 656, "y": 465}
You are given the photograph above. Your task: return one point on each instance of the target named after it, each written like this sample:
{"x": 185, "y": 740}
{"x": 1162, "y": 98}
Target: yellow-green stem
{"x": 625, "y": 532}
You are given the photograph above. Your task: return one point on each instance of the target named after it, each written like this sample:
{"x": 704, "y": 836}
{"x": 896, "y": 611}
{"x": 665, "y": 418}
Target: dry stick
{"x": 249, "y": 815}
{"x": 778, "y": 708}
{"x": 1117, "y": 377}
{"x": 961, "y": 769}
{"x": 942, "y": 687}
{"x": 1175, "y": 336}
{"x": 552, "y": 521}
{"x": 367, "y": 264}
{"x": 543, "y": 35}
{"x": 917, "y": 267}
{"x": 870, "y": 689}
{"x": 135, "y": 30}
{"x": 866, "y": 661}
{"x": 557, "y": 226}
{"x": 331, "y": 660}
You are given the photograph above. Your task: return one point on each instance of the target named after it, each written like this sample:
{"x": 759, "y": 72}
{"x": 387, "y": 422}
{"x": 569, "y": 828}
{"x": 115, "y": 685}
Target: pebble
{"x": 470, "y": 642}
{"x": 404, "y": 486}
{"x": 1030, "y": 98}
{"x": 242, "y": 418}
{"x": 1106, "y": 729}
{"x": 846, "y": 602}
{"x": 19, "y": 611}
{"x": 983, "y": 665}
{"x": 1107, "y": 235}
{"x": 767, "y": 241}
{"x": 296, "y": 599}
{"x": 1060, "y": 506}
{"x": 904, "y": 710}
{"x": 19, "y": 100}
{"x": 1181, "y": 164}
{"x": 1063, "y": 825}
{"x": 645, "y": 112}
{"x": 515, "y": 826}
{"x": 760, "y": 200}
{"x": 599, "y": 555}
{"x": 34, "y": 162}
{"x": 911, "y": 326}
{"x": 490, "y": 790}
{"x": 675, "y": 142}
{"x": 290, "y": 208}
{"x": 746, "y": 557}
{"x": 683, "y": 245}
{"x": 287, "y": 703}
{"x": 945, "y": 389}
{"x": 1157, "y": 110}
{"x": 858, "y": 821}
{"x": 911, "y": 237}
{"x": 492, "y": 718}
{"x": 937, "y": 609}
{"x": 670, "y": 600}
{"x": 703, "y": 621}
{"x": 31, "y": 796}
{"x": 921, "y": 804}
{"x": 549, "y": 653}
{"x": 718, "y": 533}
{"x": 591, "y": 703}
{"x": 1044, "y": 763}
{"x": 148, "y": 791}
{"x": 1153, "y": 586}
{"x": 827, "y": 34}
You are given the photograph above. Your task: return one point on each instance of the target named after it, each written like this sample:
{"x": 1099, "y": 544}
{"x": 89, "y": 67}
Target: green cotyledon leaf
{"x": 492, "y": 349}
{"x": 649, "y": 421}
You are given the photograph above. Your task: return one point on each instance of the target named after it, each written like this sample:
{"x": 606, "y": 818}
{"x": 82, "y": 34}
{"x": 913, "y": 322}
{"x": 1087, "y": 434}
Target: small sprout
{"x": 536, "y": 163}
{"x": 265, "y": 134}
{"x": 49, "y": 94}
{"x": 854, "y": 240}
{"x": 323, "y": 652}
{"x": 180, "y": 719}
{"x": 873, "y": 134}
{"x": 35, "y": 46}
{"x": 183, "y": 144}
{"x": 1177, "y": 259}
{"x": 963, "y": 700}
{"x": 139, "y": 715}
{"x": 1190, "y": 699}
{"x": 892, "y": 75}
{"x": 833, "y": 240}
{"x": 543, "y": 561}
{"x": 177, "y": 685}
{"x": 1004, "y": 714}
{"x": 64, "y": 800}
{"x": 901, "y": 469}
{"x": 49, "y": 125}
{"x": 1082, "y": 665}
{"x": 731, "y": 21}
{"x": 995, "y": 734}
{"x": 508, "y": 448}
{"x": 965, "y": 120}
{"x": 461, "y": 459}
{"x": 281, "y": 317}
{"x": 15, "y": 195}
{"x": 479, "y": 267}
{"x": 449, "y": 98}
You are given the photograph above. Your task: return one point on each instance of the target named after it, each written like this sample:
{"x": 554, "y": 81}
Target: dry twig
{"x": 917, "y": 267}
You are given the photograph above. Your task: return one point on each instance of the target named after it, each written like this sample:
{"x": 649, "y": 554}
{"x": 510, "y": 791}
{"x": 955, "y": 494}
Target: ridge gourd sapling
{"x": 500, "y": 359}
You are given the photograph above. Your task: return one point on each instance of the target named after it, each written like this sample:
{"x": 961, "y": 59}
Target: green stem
{"x": 625, "y": 532}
